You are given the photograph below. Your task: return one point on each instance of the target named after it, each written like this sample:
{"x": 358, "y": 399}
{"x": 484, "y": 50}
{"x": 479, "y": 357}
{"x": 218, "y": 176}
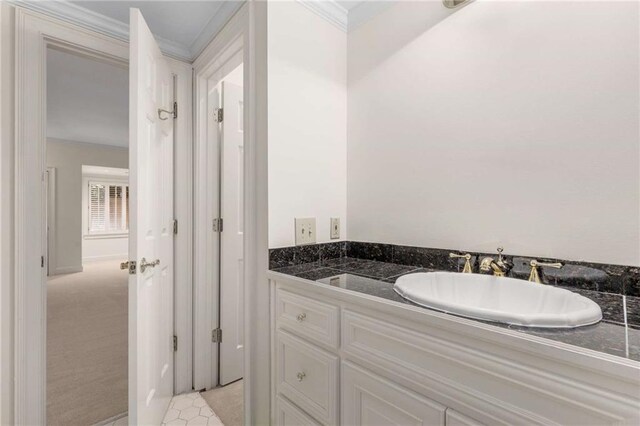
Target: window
{"x": 108, "y": 208}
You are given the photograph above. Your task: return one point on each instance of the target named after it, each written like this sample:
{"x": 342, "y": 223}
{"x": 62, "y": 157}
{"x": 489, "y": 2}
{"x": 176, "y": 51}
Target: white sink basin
{"x": 505, "y": 300}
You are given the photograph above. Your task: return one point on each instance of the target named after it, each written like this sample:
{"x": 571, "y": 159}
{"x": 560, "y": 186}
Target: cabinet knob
{"x": 301, "y": 376}
{"x": 301, "y": 317}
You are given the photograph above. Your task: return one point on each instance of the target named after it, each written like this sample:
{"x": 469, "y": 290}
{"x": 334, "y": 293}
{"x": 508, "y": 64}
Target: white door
{"x": 150, "y": 228}
{"x": 231, "y": 257}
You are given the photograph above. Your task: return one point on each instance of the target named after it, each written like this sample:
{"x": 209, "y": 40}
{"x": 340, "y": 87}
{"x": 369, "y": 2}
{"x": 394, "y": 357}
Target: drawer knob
{"x": 301, "y": 317}
{"x": 301, "y": 376}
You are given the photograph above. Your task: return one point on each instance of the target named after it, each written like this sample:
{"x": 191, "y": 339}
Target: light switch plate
{"x": 335, "y": 228}
{"x": 305, "y": 230}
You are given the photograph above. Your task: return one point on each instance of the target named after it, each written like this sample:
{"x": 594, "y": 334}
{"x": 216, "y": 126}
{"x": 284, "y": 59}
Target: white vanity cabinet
{"x": 346, "y": 358}
{"x": 368, "y": 399}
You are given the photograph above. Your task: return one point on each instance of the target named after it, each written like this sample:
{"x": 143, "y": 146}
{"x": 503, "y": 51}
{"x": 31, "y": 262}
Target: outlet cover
{"x": 305, "y": 230}
{"x": 335, "y": 228}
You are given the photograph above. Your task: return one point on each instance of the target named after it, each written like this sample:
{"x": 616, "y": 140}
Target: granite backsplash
{"x": 598, "y": 277}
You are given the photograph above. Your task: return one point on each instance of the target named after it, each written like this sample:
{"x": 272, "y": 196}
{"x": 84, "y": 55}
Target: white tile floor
{"x": 188, "y": 409}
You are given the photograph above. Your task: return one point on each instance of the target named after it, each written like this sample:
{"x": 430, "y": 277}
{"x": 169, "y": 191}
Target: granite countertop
{"x": 617, "y": 334}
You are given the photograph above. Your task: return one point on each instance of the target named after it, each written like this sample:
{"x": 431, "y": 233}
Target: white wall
{"x": 506, "y": 123}
{"x": 68, "y": 158}
{"x": 307, "y": 121}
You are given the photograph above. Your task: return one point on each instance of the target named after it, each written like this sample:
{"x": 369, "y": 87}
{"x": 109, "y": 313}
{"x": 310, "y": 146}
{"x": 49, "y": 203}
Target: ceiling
{"x": 179, "y": 21}
{"x": 182, "y": 28}
{"x": 87, "y": 100}
{"x": 347, "y": 14}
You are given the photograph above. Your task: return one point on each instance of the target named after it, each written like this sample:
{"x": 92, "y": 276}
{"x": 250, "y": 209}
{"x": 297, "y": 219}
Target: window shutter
{"x": 108, "y": 208}
{"x": 97, "y": 208}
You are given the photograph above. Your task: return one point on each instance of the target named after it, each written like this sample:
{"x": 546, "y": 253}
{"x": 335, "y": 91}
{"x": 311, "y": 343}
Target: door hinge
{"x": 175, "y": 110}
{"x": 175, "y": 226}
{"x": 217, "y": 225}
{"x": 216, "y": 335}
{"x": 175, "y": 343}
{"x": 132, "y": 267}
{"x": 42, "y": 261}
{"x": 218, "y": 115}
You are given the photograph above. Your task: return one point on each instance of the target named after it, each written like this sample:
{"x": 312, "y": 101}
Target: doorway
{"x": 34, "y": 34}
{"x": 225, "y": 105}
{"x": 231, "y": 286}
{"x": 220, "y": 172}
{"x": 87, "y": 222}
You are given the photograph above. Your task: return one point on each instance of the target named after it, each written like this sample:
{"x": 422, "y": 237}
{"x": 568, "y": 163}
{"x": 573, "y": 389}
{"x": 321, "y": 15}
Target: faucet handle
{"x": 534, "y": 263}
{"x": 534, "y": 276}
{"x": 467, "y": 264}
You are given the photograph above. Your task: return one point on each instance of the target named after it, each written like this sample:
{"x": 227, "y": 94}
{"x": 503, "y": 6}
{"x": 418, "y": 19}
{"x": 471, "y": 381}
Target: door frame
{"x": 249, "y": 28}
{"x": 34, "y": 33}
{"x": 220, "y": 57}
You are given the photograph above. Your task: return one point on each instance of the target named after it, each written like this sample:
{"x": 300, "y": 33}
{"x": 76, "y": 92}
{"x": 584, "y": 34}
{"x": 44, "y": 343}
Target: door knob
{"x": 144, "y": 264}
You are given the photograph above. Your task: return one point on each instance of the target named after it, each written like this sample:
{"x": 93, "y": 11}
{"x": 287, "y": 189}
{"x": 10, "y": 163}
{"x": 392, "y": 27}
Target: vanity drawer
{"x": 287, "y": 414}
{"x": 308, "y": 318}
{"x": 308, "y": 376}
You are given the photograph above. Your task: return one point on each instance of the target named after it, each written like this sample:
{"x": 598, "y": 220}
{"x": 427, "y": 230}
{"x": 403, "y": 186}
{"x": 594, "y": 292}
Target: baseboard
{"x": 123, "y": 257}
{"x": 67, "y": 270}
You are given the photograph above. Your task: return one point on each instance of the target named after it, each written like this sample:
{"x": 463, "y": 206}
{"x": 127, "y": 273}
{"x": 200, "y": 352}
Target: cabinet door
{"x": 456, "y": 419}
{"x": 288, "y": 414}
{"x": 370, "y": 400}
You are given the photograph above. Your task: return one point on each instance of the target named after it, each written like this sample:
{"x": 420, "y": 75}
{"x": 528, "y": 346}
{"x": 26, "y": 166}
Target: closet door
{"x": 370, "y": 400}
{"x": 231, "y": 237}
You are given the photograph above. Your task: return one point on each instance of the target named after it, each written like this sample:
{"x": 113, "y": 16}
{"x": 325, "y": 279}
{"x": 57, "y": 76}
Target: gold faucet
{"x": 500, "y": 267}
{"x": 534, "y": 276}
{"x": 467, "y": 264}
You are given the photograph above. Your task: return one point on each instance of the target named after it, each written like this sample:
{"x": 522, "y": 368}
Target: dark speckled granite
{"x": 633, "y": 310}
{"x": 370, "y": 251}
{"x": 432, "y": 258}
{"x": 341, "y": 261}
{"x": 577, "y": 275}
{"x": 376, "y": 278}
{"x": 376, "y": 269}
{"x": 290, "y": 256}
{"x": 364, "y": 285}
{"x": 602, "y": 337}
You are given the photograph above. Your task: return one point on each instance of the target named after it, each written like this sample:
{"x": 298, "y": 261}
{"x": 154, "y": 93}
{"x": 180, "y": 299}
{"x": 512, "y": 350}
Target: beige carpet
{"x": 87, "y": 345}
{"x": 227, "y": 402}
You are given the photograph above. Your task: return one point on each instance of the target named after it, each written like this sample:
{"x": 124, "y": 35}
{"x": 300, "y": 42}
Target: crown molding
{"x": 330, "y": 10}
{"x": 365, "y": 11}
{"x": 214, "y": 26}
{"x": 347, "y": 19}
{"x": 77, "y": 15}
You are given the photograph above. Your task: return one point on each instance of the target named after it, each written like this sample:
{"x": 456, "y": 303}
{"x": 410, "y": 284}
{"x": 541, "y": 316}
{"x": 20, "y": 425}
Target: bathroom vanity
{"x": 346, "y": 349}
